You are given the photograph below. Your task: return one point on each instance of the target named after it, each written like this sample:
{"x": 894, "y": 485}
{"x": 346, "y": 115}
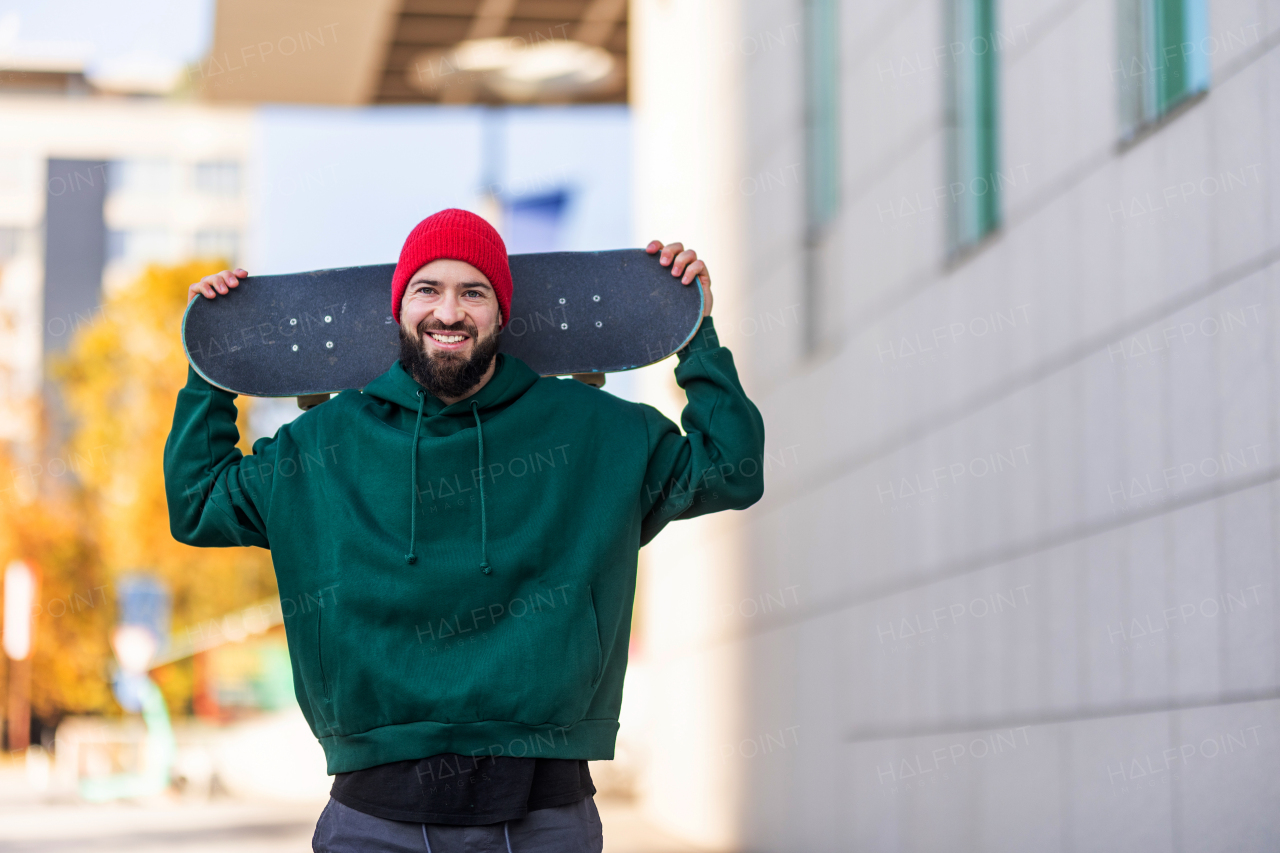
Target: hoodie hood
{"x": 404, "y": 398}
{"x": 511, "y": 379}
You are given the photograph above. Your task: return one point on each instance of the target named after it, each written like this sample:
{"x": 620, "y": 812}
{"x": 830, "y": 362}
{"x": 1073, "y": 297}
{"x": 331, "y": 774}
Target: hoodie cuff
{"x": 705, "y": 339}
{"x": 196, "y": 382}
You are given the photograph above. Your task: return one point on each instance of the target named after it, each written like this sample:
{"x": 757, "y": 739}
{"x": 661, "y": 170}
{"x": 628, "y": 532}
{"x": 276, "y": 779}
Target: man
{"x": 456, "y": 549}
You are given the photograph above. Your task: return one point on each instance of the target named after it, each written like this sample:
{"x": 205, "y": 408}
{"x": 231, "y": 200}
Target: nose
{"x": 449, "y": 310}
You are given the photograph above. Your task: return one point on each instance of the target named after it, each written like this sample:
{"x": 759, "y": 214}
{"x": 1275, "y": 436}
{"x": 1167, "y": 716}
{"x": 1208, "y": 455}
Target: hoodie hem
{"x": 590, "y": 740}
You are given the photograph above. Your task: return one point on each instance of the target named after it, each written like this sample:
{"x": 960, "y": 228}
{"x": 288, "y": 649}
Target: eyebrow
{"x": 439, "y": 284}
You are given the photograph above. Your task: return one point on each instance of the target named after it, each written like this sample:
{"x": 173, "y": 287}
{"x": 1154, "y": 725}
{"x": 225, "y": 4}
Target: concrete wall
{"x": 1013, "y": 583}
{"x": 687, "y": 108}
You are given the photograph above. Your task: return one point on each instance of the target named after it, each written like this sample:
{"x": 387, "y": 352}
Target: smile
{"x": 447, "y": 339}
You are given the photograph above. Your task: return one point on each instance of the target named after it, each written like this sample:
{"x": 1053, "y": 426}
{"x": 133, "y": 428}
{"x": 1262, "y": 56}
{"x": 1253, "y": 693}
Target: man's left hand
{"x": 684, "y": 263}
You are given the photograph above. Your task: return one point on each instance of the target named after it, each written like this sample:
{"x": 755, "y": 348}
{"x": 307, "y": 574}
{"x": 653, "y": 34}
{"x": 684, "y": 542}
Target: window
{"x": 1161, "y": 62}
{"x": 822, "y": 160}
{"x": 139, "y": 245}
{"x": 116, "y": 247}
{"x": 217, "y": 177}
{"x": 972, "y": 123}
{"x": 822, "y": 112}
{"x": 142, "y": 176}
{"x": 15, "y": 175}
{"x": 10, "y": 242}
{"x": 221, "y": 243}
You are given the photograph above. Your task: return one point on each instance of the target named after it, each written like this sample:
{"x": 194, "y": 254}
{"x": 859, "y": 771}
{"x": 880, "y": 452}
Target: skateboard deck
{"x": 316, "y": 333}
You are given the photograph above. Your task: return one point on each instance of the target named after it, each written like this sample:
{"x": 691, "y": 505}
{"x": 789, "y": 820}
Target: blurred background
{"x": 1000, "y": 274}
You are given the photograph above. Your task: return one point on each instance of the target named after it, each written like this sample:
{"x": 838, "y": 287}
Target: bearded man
{"x": 462, "y": 537}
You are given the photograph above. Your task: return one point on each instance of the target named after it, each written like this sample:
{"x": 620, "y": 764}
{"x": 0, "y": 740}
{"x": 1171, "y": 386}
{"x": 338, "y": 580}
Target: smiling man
{"x": 445, "y": 305}
{"x": 469, "y": 545}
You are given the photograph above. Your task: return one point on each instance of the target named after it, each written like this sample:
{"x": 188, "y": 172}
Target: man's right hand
{"x": 220, "y": 282}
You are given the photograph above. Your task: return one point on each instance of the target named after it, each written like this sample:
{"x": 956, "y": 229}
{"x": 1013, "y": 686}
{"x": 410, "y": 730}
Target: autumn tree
{"x": 107, "y": 515}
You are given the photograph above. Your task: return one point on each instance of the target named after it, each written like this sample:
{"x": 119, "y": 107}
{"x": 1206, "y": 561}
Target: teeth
{"x": 447, "y": 339}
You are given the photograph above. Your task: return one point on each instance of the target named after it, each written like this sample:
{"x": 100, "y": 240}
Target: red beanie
{"x": 461, "y": 236}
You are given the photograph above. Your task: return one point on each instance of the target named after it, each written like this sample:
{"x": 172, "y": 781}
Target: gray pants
{"x": 573, "y": 828}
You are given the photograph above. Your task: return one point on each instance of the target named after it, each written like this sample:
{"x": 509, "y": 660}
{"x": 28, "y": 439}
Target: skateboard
{"x": 311, "y": 334}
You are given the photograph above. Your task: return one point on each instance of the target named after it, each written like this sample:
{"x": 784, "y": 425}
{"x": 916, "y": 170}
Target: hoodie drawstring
{"x": 484, "y": 529}
{"x": 411, "y": 557}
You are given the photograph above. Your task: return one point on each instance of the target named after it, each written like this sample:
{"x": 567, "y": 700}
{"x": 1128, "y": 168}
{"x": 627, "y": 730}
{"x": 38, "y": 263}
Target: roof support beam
{"x": 599, "y": 20}
{"x": 491, "y": 19}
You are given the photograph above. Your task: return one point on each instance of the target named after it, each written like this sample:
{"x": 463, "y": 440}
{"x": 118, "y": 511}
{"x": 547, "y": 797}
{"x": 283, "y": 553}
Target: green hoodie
{"x": 473, "y": 597}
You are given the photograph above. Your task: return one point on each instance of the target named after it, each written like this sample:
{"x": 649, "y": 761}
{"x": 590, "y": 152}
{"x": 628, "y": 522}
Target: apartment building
{"x": 91, "y": 190}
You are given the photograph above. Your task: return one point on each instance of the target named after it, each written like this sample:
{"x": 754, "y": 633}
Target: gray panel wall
{"x": 1026, "y": 520}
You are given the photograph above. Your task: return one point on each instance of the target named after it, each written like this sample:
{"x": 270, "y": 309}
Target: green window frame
{"x": 822, "y": 112}
{"x": 822, "y": 165}
{"x": 972, "y": 123}
{"x": 1161, "y": 61}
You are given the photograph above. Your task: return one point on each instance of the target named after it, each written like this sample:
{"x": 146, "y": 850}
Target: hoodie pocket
{"x": 324, "y": 681}
{"x": 310, "y": 656}
{"x": 595, "y": 631}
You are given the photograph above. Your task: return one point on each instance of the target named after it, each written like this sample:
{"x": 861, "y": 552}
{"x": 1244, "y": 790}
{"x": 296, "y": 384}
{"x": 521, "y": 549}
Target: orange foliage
{"x": 107, "y": 515}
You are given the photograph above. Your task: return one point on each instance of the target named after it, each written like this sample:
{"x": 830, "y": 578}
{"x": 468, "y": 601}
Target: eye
{"x": 475, "y": 294}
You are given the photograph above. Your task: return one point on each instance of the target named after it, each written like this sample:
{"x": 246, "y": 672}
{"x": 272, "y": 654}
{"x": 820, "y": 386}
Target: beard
{"x": 446, "y": 374}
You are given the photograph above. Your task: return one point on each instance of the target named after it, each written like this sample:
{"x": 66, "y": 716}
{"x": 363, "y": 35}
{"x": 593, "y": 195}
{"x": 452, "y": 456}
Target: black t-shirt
{"x": 463, "y": 791}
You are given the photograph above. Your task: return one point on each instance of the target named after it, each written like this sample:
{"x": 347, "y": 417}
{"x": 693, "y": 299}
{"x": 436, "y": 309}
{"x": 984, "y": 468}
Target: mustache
{"x": 430, "y": 324}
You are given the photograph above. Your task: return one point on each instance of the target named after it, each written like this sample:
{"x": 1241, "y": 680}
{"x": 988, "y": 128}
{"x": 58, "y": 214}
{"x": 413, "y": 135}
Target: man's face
{"x": 448, "y": 327}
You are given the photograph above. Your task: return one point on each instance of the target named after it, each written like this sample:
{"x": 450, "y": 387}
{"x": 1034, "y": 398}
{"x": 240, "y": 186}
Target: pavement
{"x": 33, "y": 821}
{"x": 271, "y": 786}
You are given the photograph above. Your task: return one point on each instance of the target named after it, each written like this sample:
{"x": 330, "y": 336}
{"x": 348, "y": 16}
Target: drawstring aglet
{"x": 484, "y": 567}
{"x": 411, "y": 558}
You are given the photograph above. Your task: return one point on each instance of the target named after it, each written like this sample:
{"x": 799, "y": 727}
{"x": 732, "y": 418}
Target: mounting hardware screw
{"x": 564, "y": 325}
{"x": 595, "y": 299}
{"x": 328, "y": 319}
{"x": 295, "y": 347}
{"x": 561, "y": 300}
{"x": 293, "y": 321}
{"x": 328, "y": 344}
{"x": 599, "y": 324}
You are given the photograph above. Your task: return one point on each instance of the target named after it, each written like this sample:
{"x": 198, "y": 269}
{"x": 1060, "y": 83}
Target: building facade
{"x": 91, "y": 190}
{"x": 1002, "y": 279}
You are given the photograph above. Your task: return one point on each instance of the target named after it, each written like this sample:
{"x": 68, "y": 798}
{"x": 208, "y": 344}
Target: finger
{"x": 241, "y": 273}
{"x": 669, "y": 251}
{"x": 218, "y": 283}
{"x": 682, "y": 260}
{"x": 229, "y": 279}
{"x": 654, "y": 246}
{"x": 693, "y": 271}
